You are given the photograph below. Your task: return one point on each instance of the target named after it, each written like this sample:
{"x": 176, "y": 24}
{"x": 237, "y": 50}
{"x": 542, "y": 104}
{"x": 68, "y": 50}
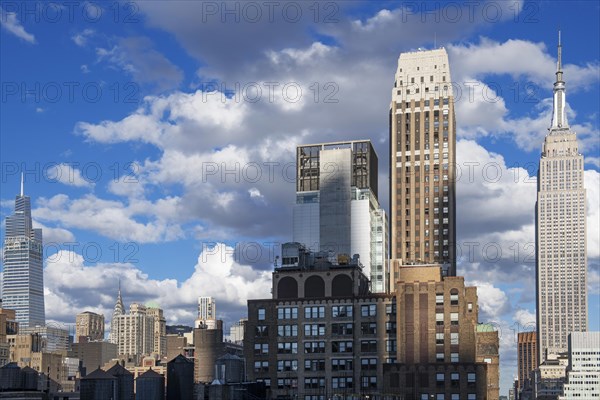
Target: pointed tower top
{"x": 119, "y": 307}
{"x": 559, "y": 117}
{"x": 22, "y": 184}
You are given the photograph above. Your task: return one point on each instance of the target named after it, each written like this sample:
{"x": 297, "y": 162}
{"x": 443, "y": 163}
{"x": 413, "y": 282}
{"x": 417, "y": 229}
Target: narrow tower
{"x": 422, "y": 161}
{"x": 23, "y": 275}
{"x": 561, "y": 257}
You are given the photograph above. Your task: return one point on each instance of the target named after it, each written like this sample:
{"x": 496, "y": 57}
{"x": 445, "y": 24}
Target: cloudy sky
{"x": 158, "y": 138}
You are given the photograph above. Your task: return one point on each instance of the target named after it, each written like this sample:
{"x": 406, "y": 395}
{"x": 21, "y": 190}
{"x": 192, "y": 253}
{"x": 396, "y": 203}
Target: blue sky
{"x": 135, "y": 165}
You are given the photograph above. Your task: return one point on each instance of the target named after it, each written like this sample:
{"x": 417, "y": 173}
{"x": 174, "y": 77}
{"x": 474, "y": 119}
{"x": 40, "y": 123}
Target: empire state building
{"x": 561, "y": 260}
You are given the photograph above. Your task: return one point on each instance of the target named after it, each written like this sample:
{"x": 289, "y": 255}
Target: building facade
{"x": 89, "y": 327}
{"x": 23, "y": 274}
{"x": 583, "y": 373}
{"x": 133, "y": 332}
{"x": 337, "y": 209}
{"x": 160, "y": 330}
{"x": 324, "y": 335}
{"x": 526, "y": 359}
{"x": 422, "y": 161}
{"x": 561, "y": 249}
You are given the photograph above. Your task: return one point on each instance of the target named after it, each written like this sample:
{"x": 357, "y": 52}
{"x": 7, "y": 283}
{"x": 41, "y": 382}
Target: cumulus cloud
{"x": 10, "y": 22}
{"x": 217, "y": 273}
{"x": 67, "y": 175}
{"x": 81, "y": 38}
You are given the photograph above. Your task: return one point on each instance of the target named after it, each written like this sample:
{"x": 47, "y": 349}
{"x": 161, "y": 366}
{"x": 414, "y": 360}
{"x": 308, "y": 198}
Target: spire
{"x": 119, "y": 307}
{"x": 21, "y": 184}
{"x": 559, "y": 117}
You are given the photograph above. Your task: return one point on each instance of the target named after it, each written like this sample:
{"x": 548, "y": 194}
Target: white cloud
{"x": 67, "y": 175}
{"x": 81, "y": 38}
{"x": 9, "y": 21}
{"x": 217, "y": 273}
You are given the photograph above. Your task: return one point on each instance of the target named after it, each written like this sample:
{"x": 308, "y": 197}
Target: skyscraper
{"x": 89, "y": 327}
{"x": 337, "y": 209}
{"x": 561, "y": 258}
{"x": 422, "y": 161}
{"x": 23, "y": 276}
{"x": 526, "y": 359}
{"x": 207, "y": 308}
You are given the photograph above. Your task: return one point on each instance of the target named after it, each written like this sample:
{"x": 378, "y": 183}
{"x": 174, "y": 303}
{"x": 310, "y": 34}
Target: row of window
{"x": 315, "y": 312}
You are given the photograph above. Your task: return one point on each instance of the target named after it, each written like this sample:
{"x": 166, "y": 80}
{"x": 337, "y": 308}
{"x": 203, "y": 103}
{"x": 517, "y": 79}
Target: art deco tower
{"x": 23, "y": 276}
{"x": 561, "y": 258}
{"x": 422, "y": 161}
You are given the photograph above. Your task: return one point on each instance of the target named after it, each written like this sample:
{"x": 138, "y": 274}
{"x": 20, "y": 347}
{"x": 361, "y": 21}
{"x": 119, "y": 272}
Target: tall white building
{"x": 160, "y": 330}
{"x": 207, "y": 308}
{"x": 23, "y": 274}
{"x": 583, "y": 374}
{"x": 133, "y": 332}
{"x": 337, "y": 209}
{"x": 561, "y": 257}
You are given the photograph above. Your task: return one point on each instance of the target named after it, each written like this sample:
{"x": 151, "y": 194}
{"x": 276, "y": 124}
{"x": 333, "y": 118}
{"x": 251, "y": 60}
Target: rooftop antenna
{"x": 435, "y": 40}
{"x": 21, "y": 184}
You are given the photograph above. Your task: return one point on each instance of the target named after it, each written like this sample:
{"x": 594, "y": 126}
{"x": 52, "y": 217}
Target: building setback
{"x": 337, "y": 208}
{"x": 422, "y": 161}
{"x": 89, "y": 327}
{"x": 561, "y": 256}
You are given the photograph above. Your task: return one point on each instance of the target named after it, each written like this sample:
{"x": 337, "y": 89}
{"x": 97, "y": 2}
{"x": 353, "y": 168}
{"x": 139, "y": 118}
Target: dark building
{"x": 98, "y": 385}
{"x": 124, "y": 381}
{"x": 209, "y": 346}
{"x": 150, "y": 386}
{"x": 180, "y": 378}
{"x": 324, "y": 335}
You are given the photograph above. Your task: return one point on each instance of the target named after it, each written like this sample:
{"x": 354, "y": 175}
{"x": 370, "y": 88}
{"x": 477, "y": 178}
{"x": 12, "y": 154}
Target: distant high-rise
{"x": 337, "y": 209}
{"x": 583, "y": 373}
{"x": 422, "y": 161}
{"x": 207, "y": 308}
{"x": 23, "y": 276}
{"x": 561, "y": 257}
{"x": 89, "y": 327}
{"x": 526, "y": 359}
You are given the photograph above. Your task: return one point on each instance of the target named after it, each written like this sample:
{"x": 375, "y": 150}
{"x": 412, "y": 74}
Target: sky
{"x": 158, "y": 138}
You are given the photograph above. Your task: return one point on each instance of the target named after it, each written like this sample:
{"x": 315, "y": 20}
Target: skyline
{"x": 169, "y": 212}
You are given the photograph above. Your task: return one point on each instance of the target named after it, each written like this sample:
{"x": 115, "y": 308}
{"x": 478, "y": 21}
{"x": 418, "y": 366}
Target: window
{"x": 342, "y": 329}
{"x": 287, "y": 330}
{"x": 454, "y": 357}
{"x": 454, "y": 297}
{"x": 368, "y": 328}
{"x": 314, "y": 312}
{"x": 287, "y": 313}
{"x": 314, "y": 330}
{"x": 439, "y": 357}
{"x": 368, "y": 346}
{"x": 390, "y": 345}
{"x": 261, "y": 348}
{"x": 341, "y": 311}
{"x": 262, "y": 331}
{"x": 471, "y": 377}
{"x": 439, "y": 299}
{"x": 314, "y": 347}
{"x": 287, "y": 383}
{"x": 261, "y": 314}
{"x": 287, "y": 348}
{"x": 439, "y": 338}
{"x": 261, "y": 366}
{"x": 454, "y": 318}
{"x": 439, "y": 378}
{"x": 471, "y": 396}
{"x": 368, "y": 364}
{"x": 454, "y": 338}
{"x": 439, "y": 318}
{"x": 287, "y": 365}
{"x": 391, "y": 308}
{"x": 341, "y": 364}
{"x": 342, "y": 382}
{"x": 369, "y": 310}
{"x": 314, "y": 365}
{"x": 341, "y": 347}
{"x": 369, "y": 382}
{"x": 314, "y": 383}
{"x": 439, "y": 396}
